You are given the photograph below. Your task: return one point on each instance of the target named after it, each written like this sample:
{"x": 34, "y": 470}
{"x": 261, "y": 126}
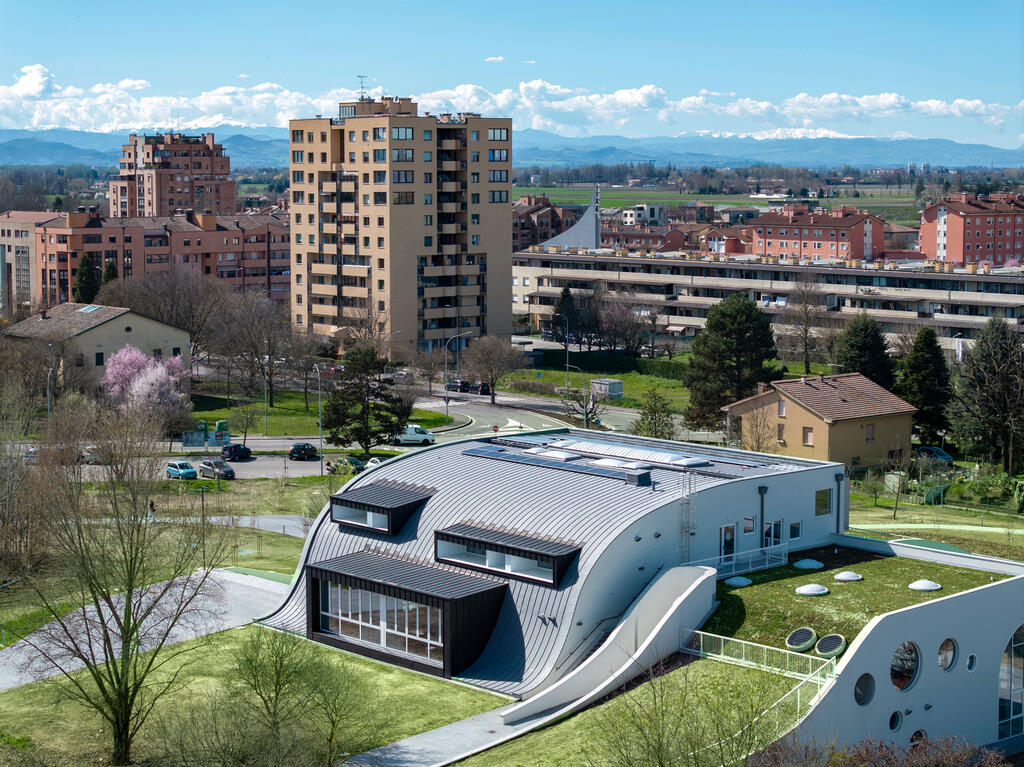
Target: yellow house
{"x": 845, "y": 418}
{"x": 85, "y": 336}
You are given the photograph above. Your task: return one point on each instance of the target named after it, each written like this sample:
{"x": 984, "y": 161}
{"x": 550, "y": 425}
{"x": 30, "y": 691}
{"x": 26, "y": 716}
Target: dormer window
{"x": 380, "y": 506}
{"x": 494, "y": 551}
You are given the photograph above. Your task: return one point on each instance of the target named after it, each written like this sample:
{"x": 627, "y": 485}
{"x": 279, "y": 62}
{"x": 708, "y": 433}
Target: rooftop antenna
{"x": 362, "y": 88}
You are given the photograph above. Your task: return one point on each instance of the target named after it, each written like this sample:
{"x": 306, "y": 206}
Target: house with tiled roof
{"x": 844, "y": 418}
{"x": 796, "y": 233}
{"x": 969, "y": 230}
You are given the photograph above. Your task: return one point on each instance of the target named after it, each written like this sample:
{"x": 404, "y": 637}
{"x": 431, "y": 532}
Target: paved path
{"x": 447, "y": 744}
{"x": 237, "y": 600}
{"x": 929, "y": 526}
{"x": 295, "y": 525}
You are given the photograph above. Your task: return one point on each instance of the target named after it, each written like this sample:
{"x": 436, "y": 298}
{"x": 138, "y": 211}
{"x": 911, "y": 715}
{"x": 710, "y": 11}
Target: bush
{"x": 590, "y": 362}
{"x": 536, "y": 387}
{"x": 661, "y": 367}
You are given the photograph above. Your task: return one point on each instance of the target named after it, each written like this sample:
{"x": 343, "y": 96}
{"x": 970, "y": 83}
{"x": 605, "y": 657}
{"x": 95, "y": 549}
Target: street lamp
{"x": 49, "y": 385}
{"x": 460, "y": 335}
{"x": 566, "y": 318}
{"x": 266, "y": 359}
{"x": 589, "y": 399}
{"x": 320, "y": 416}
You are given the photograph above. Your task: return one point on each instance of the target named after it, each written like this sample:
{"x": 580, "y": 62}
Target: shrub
{"x": 661, "y": 367}
{"x": 536, "y": 387}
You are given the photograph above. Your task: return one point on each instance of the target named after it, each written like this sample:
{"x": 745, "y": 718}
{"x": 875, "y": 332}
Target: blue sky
{"x": 909, "y": 67}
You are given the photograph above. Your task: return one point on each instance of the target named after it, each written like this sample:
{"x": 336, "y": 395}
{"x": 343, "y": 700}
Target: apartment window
{"x": 380, "y": 284}
{"x": 748, "y": 525}
{"x": 297, "y": 136}
{"x": 298, "y": 197}
{"x": 497, "y": 176}
{"x": 351, "y": 156}
{"x": 497, "y": 196}
{"x": 497, "y": 134}
{"x": 380, "y": 177}
{"x": 428, "y": 157}
{"x": 808, "y": 436}
{"x": 428, "y": 241}
{"x": 428, "y": 178}
{"x": 794, "y": 530}
{"x": 298, "y": 238}
{"x": 428, "y": 220}
{"x": 401, "y": 155}
{"x": 298, "y": 319}
{"x": 380, "y": 155}
{"x": 379, "y": 134}
{"x": 474, "y": 198}
{"x": 380, "y": 220}
{"x": 474, "y": 178}
{"x": 474, "y": 157}
{"x": 475, "y": 240}
{"x": 298, "y": 258}
{"x": 323, "y": 136}
{"x": 380, "y": 242}
{"x": 404, "y": 177}
{"x": 428, "y": 135}
{"x": 474, "y": 135}
{"x": 298, "y": 279}
{"x": 99, "y": 358}
{"x": 474, "y": 218}
{"x": 309, "y": 158}
{"x": 366, "y": 135}
{"x": 366, "y": 178}
{"x": 781, "y": 432}
{"x": 428, "y": 199}
{"x": 401, "y": 134}
{"x": 366, "y": 242}
{"x": 297, "y": 156}
{"x": 380, "y": 198}
{"x": 298, "y": 176}
{"x": 822, "y": 502}
{"x": 351, "y": 135}
{"x": 782, "y": 408}
{"x": 312, "y": 239}
{"x": 403, "y": 198}
{"x": 323, "y": 157}
{"x": 869, "y": 432}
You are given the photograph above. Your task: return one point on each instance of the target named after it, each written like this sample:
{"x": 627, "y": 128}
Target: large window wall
{"x": 1011, "y": 687}
{"x": 396, "y": 625}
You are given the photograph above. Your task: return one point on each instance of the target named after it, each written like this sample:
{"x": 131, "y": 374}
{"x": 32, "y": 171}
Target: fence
{"x": 741, "y": 653}
{"x": 746, "y": 561}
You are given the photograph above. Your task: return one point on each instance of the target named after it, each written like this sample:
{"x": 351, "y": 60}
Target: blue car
{"x": 936, "y": 454}
{"x": 180, "y": 470}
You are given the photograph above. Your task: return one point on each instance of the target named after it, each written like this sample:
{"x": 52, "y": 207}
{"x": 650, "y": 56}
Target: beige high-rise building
{"x": 172, "y": 172}
{"x": 401, "y": 225}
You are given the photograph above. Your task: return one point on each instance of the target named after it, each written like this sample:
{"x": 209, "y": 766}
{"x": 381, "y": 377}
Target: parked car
{"x": 346, "y": 464}
{"x": 180, "y": 470}
{"x": 547, "y": 335}
{"x": 302, "y": 451}
{"x": 480, "y": 387}
{"x": 457, "y": 384}
{"x": 235, "y": 453}
{"x": 94, "y": 454}
{"x": 215, "y": 468}
{"x": 374, "y": 462}
{"x": 32, "y": 456}
{"x": 413, "y": 435}
{"x": 933, "y": 453}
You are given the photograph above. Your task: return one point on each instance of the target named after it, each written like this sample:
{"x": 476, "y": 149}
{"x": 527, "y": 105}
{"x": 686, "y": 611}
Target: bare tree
{"x": 303, "y": 356}
{"x": 624, "y": 328}
{"x": 873, "y": 484}
{"x": 428, "y": 365}
{"x": 341, "y": 708}
{"x": 24, "y": 530}
{"x": 244, "y": 416}
{"x": 406, "y": 397}
{"x": 584, "y": 406}
{"x": 902, "y": 341}
{"x": 941, "y": 752}
{"x": 271, "y": 671}
{"x": 758, "y": 431}
{"x": 491, "y": 358}
{"x": 804, "y": 308}
{"x": 257, "y": 338}
{"x": 143, "y": 578}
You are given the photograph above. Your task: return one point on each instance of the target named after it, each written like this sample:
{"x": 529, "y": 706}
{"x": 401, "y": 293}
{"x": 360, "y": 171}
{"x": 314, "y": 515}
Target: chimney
{"x": 803, "y": 379}
{"x": 42, "y": 315}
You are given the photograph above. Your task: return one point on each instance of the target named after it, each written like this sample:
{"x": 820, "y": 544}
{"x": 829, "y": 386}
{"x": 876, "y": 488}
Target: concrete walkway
{"x": 236, "y": 600}
{"x": 448, "y": 744}
{"x": 940, "y": 526}
{"x": 294, "y": 525}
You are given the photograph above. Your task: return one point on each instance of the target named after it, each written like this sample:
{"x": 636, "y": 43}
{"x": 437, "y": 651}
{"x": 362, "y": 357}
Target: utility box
{"x": 609, "y": 388}
{"x": 895, "y": 481}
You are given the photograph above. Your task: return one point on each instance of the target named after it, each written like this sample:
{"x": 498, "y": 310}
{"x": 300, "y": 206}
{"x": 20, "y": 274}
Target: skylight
{"x": 88, "y": 309}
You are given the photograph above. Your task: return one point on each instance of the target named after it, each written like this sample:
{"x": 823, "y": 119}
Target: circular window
{"x": 128, "y": 329}
{"x": 972, "y": 661}
{"x": 947, "y": 654}
{"x": 864, "y": 689}
{"x": 903, "y": 668}
{"x": 917, "y": 737}
{"x": 895, "y": 720}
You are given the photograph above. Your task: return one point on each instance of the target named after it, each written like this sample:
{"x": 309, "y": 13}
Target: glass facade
{"x": 1011, "y": 687}
{"x": 396, "y": 625}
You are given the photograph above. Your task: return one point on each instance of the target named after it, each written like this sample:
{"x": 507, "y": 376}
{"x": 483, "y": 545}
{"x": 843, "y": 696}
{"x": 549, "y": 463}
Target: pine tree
{"x": 565, "y": 308}
{"x": 861, "y": 348}
{"x": 729, "y": 359}
{"x": 925, "y": 384}
{"x": 87, "y": 280}
{"x": 655, "y": 419}
{"x": 362, "y": 408}
{"x": 109, "y": 271}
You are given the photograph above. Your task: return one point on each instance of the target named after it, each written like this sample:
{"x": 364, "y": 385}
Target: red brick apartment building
{"x": 246, "y": 252}
{"x": 160, "y": 175}
{"x": 796, "y": 233}
{"x": 966, "y": 229}
{"x": 536, "y": 219}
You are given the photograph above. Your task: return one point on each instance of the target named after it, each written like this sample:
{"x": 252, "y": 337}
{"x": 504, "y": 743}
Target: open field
{"x": 239, "y": 497}
{"x": 768, "y": 610}
{"x": 633, "y": 385}
{"x": 288, "y": 416}
{"x": 575, "y": 741}
{"x": 413, "y": 702}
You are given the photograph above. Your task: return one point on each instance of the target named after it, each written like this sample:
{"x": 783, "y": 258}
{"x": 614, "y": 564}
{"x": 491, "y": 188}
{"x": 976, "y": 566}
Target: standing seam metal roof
{"x": 431, "y": 581}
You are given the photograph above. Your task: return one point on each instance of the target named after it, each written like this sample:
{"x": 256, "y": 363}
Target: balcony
{"x": 354, "y": 270}
{"x": 329, "y": 248}
{"x": 449, "y": 291}
{"x": 323, "y": 290}
{"x": 440, "y": 271}
{"x": 441, "y": 313}
{"x": 449, "y": 207}
{"x": 352, "y": 291}
{"x": 448, "y": 228}
{"x": 328, "y": 207}
{"x": 469, "y": 290}
{"x": 323, "y": 270}
{"x": 448, "y": 165}
{"x": 451, "y": 250}
{"x": 451, "y": 144}
{"x": 450, "y": 186}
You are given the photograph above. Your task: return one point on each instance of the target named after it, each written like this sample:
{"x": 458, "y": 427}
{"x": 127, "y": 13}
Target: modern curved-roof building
{"x": 504, "y": 561}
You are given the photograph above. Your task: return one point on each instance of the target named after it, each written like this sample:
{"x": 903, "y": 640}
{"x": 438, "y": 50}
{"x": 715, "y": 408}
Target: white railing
{"x": 742, "y": 653}
{"x": 746, "y": 561}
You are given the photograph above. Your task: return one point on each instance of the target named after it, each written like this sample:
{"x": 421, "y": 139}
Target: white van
{"x": 413, "y": 435}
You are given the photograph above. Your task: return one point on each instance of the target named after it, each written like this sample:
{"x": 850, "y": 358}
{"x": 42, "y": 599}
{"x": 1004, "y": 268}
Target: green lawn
{"x": 238, "y": 497}
{"x": 633, "y": 385}
{"x": 413, "y": 702}
{"x": 288, "y": 416}
{"x": 570, "y": 742}
{"x": 768, "y": 610}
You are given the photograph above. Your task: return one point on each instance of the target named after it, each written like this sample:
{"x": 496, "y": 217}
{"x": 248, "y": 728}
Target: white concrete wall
{"x": 680, "y": 598}
{"x": 957, "y": 702}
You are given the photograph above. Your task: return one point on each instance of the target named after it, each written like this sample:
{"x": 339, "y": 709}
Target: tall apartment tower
{"x": 402, "y": 225}
{"x": 172, "y": 172}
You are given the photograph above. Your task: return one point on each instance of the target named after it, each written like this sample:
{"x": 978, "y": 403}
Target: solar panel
{"x": 532, "y": 459}
{"x": 830, "y": 644}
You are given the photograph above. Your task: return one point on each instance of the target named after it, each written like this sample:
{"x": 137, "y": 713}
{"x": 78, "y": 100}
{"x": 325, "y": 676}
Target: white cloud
{"x": 529, "y": 61}
{"x": 243, "y": 76}
{"x": 494, "y": 59}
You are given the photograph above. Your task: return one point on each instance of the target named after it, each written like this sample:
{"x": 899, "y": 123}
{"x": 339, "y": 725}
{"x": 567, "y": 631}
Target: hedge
{"x": 537, "y": 387}
{"x": 612, "y": 362}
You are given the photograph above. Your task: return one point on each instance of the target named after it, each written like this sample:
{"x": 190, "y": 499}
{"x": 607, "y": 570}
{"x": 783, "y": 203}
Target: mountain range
{"x": 268, "y": 148}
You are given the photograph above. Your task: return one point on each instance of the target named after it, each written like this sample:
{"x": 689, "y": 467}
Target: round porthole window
{"x": 947, "y": 654}
{"x": 864, "y": 689}
{"x": 905, "y": 663}
{"x": 972, "y": 662}
{"x": 895, "y": 720}
{"x": 917, "y": 737}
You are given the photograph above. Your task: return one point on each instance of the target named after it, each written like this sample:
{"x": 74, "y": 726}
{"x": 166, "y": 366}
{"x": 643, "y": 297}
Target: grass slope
{"x": 414, "y": 702}
{"x": 768, "y": 610}
{"x": 633, "y": 385}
